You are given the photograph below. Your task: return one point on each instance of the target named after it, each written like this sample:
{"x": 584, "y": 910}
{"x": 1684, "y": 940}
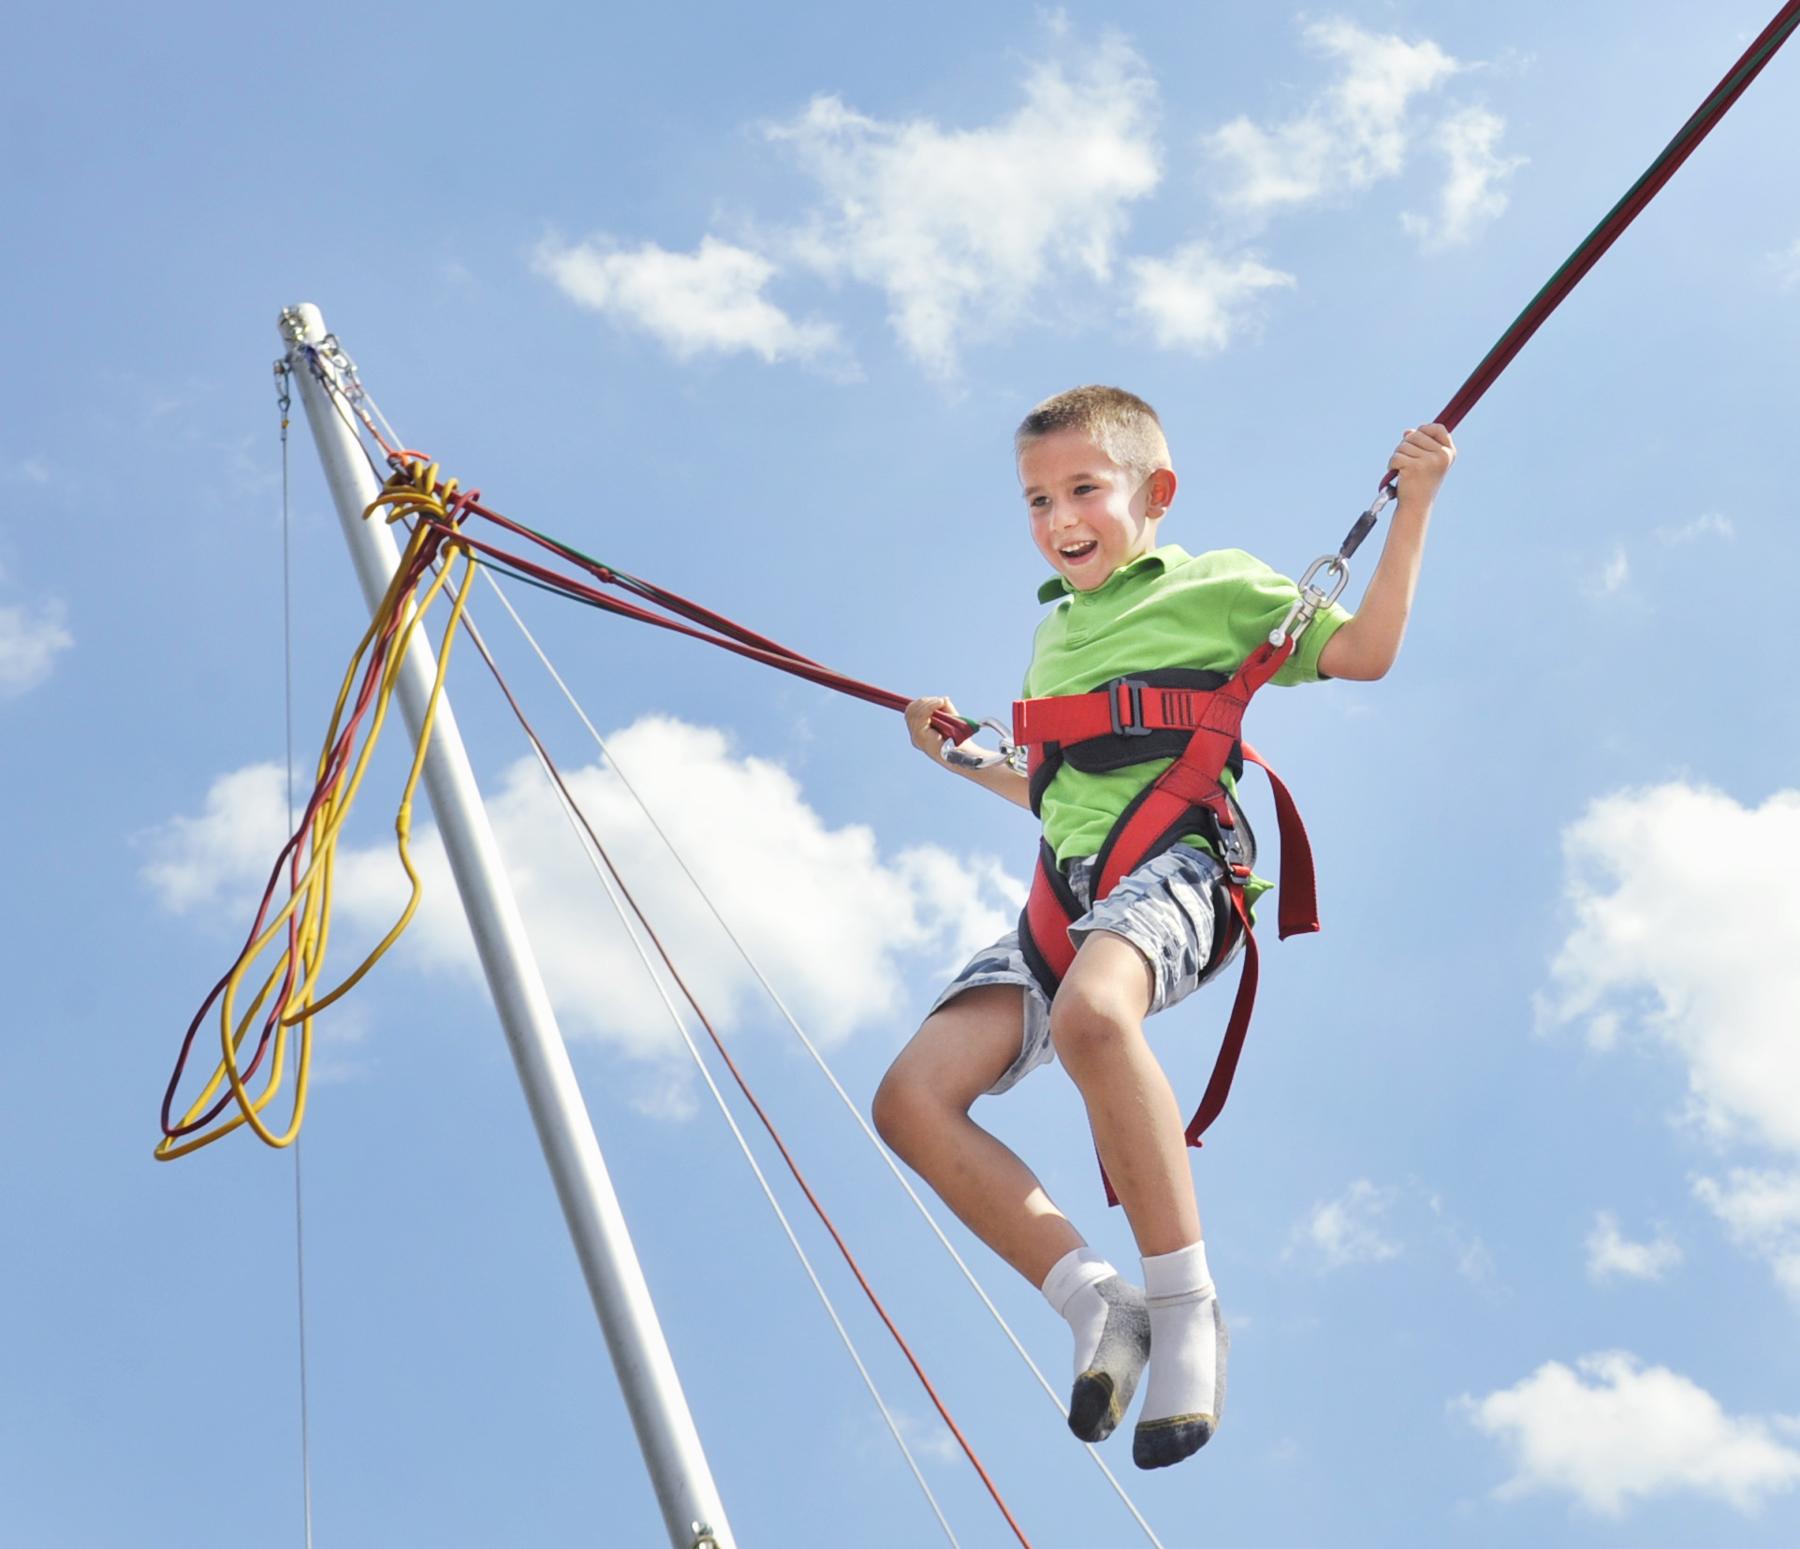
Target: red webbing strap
{"x": 1048, "y": 920}
{"x": 1193, "y": 779}
{"x": 1218, "y": 1088}
{"x": 1130, "y": 706}
{"x": 1298, "y": 896}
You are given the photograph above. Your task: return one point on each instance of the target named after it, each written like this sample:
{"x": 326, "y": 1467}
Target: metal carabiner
{"x": 963, "y": 756}
{"x": 1311, "y": 598}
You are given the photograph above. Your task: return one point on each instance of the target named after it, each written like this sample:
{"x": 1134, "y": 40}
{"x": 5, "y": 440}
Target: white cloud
{"x": 1349, "y": 1229}
{"x": 962, "y": 227}
{"x": 1197, "y": 300}
{"x": 1354, "y": 134}
{"x": 215, "y": 857}
{"x": 710, "y": 301}
{"x": 1686, "y": 910}
{"x": 1471, "y": 195}
{"x": 1613, "y": 1431}
{"x": 1610, "y": 1254}
{"x": 1710, "y": 524}
{"x": 850, "y": 937}
{"x": 1761, "y": 1210}
{"x": 1686, "y": 934}
{"x": 31, "y": 638}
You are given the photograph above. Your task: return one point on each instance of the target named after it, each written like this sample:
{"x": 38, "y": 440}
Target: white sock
{"x": 1186, "y": 1392}
{"x": 1112, "y": 1338}
{"x": 1069, "y": 1289}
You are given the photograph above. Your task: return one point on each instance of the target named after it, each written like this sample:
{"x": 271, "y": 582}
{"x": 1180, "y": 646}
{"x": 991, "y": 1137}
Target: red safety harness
{"x": 1196, "y": 718}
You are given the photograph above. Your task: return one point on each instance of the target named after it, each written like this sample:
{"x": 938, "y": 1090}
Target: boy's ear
{"x": 1162, "y": 490}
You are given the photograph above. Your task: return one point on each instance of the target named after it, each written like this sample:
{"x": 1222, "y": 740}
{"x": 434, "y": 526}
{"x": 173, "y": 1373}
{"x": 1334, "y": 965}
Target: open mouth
{"x": 1074, "y": 553}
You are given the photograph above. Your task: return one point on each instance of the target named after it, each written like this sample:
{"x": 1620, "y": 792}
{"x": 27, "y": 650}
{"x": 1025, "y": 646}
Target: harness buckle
{"x": 1133, "y": 690}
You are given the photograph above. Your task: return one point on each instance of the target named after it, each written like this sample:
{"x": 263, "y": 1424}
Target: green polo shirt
{"x": 1167, "y": 608}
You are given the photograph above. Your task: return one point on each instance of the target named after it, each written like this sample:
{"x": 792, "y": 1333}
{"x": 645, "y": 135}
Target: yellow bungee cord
{"x": 305, "y": 917}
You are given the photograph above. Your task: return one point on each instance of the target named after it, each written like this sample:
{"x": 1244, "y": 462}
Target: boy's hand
{"x": 926, "y": 738}
{"x": 1422, "y": 459}
{"x": 1000, "y": 778}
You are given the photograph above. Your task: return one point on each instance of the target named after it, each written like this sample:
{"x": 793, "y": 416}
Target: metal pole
{"x": 671, "y": 1446}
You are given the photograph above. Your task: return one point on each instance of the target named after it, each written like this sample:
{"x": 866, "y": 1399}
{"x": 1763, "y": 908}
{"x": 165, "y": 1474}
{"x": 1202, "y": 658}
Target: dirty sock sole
{"x": 1104, "y": 1389}
{"x": 1159, "y": 1443}
{"x": 1161, "y": 1440}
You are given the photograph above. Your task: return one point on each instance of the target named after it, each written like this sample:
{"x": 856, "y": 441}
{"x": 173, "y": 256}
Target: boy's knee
{"x": 902, "y": 1109}
{"x": 1087, "y": 1023}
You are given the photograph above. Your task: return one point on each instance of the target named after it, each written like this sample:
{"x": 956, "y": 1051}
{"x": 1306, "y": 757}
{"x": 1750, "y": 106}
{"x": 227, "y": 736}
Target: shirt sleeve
{"x": 1262, "y": 602}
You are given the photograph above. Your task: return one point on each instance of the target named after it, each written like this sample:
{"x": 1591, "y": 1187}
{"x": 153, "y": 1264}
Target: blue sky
{"x": 1505, "y": 1212}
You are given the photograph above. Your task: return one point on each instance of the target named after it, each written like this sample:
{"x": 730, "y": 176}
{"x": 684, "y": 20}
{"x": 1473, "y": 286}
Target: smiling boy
{"x": 1097, "y": 481}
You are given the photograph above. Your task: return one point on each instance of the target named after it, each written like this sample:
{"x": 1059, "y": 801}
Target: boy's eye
{"x": 1085, "y": 489}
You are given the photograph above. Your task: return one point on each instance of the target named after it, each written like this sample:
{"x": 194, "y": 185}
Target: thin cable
{"x": 287, "y": 664}
{"x": 767, "y": 1123}
{"x": 812, "y": 1049}
{"x": 425, "y": 480}
{"x": 577, "y": 822}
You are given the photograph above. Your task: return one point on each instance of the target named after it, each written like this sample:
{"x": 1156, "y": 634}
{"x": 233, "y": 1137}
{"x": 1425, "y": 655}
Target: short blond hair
{"x": 1121, "y": 424}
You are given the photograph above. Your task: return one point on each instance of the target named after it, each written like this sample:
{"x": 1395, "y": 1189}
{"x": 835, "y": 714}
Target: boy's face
{"x": 1089, "y": 516}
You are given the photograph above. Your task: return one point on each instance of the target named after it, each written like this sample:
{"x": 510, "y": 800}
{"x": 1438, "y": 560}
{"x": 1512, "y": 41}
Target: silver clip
{"x": 965, "y": 755}
{"x": 1311, "y": 598}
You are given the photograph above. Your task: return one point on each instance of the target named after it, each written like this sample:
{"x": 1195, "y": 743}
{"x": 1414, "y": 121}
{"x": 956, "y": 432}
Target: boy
{"x": 1097, "y": 480}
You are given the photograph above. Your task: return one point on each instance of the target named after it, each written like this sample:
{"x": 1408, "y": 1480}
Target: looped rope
{"x": 288, "y": 995}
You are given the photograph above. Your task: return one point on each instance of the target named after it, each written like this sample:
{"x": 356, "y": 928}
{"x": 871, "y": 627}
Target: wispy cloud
{"x": 970, "y": 228}
{"x": 1611, "y": 1255}
{"x": 1197, "y": 299}
{"x": 961, "y": 226}
{"x": 1710, "y": 524}
{"x": 1613, "y": 573}
{"x": 1761, "y": 1210}
{"x": 1611, "y": 1431}
{"x": 1786, "y": 266}
{"x": 845, "y": 932}
{"x": 711, "y": 301}
{"x": 1350, "y": 1229}
{"x": 1472, "y": 193}
{"x": 32, "y": 637}
{"x": 1355, "y": 132}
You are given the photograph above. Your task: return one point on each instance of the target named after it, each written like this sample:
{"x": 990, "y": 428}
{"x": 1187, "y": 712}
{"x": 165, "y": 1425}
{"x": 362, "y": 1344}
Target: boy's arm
{"x": 1002, "y": 779}
{"x": 1365, "y": 647}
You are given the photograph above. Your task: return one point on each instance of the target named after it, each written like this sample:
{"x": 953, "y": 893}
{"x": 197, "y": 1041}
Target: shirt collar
{"x": 1160, "y": 559}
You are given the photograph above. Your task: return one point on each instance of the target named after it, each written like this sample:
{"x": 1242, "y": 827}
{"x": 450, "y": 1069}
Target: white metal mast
{"x": 684, "y": 1486}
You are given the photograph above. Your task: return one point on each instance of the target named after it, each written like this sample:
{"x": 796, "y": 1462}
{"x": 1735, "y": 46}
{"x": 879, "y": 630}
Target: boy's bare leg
{"x": 922, "y": 1111}
{"x": 1097, "y": 1024}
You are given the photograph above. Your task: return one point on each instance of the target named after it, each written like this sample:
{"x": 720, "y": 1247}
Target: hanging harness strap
{"x": 1197, "y": 719}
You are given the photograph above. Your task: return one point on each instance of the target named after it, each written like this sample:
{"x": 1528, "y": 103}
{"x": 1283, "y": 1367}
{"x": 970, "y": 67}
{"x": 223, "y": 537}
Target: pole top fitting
{"x": 302, "y": 324}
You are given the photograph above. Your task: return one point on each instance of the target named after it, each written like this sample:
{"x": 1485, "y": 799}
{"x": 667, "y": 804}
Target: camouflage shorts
{"x": 1164, "y": 909}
